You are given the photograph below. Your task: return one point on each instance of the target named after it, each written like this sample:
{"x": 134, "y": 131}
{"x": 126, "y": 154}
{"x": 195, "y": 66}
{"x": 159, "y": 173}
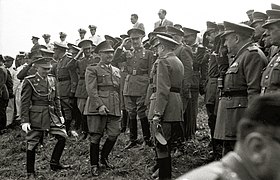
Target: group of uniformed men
{"x": 110, "y": 84}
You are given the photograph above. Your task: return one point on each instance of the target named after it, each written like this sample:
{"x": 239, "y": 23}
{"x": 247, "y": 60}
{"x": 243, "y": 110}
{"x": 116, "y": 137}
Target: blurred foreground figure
{"x": 256, "y": 155}
{"x": 41, "y": 112}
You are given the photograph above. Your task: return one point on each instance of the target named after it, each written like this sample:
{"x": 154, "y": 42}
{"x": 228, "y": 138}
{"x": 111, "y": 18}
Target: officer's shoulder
{"x": 32, "y": 76}
{"x": 253, "y": 48}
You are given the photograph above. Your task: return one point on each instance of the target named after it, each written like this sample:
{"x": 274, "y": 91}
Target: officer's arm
{"x": 57, "y": 104}
{"x": 162, "y": 87}
{"x": 91, "y": 86}
{"x": 119, "y": 56}
{"x": 187, "y": 60}
{"x": 253, "y": 67}
{"x": 2, "y": 79}
{"x": 24, "y": 72}
{"x": 73, "y": 78}
{"x": 26, "y": 94}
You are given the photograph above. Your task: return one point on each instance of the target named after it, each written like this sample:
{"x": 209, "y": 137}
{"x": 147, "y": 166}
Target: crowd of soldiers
{"x": 95, "y": 87}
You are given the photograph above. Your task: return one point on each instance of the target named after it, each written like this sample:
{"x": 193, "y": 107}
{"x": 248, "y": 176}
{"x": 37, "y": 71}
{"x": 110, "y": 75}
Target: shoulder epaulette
{"x": 252, "y": 48}
{"x": 30, "y": 76}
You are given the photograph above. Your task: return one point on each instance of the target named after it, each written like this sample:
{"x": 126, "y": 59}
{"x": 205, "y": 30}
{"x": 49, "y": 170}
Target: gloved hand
{"x": 62, "y": 120}
{"x": 103, "y": 110}
{"x": 156, "y": 121}
{"x": 26, "y": 127}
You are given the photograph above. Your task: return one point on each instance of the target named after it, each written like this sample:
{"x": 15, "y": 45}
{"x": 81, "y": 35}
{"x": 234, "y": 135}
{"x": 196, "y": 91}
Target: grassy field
{"x": 129, "y": 164}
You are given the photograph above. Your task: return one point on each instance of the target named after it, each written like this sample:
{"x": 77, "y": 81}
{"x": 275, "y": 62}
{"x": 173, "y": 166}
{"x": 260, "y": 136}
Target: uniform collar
{"x": 168, "y": 55}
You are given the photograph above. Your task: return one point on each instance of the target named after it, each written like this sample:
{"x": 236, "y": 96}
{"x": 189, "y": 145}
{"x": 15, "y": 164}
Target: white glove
{"x": 62, "y": 120}
{"x": 26, "y": 127}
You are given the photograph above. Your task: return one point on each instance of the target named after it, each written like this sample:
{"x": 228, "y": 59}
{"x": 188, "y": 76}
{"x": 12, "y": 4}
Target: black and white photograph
{"x": 148, "y": 90}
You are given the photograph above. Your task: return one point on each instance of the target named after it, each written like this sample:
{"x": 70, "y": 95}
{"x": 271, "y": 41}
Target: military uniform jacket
{"x": 229, "y": 167}
{"x": 271, "y": 76}
{"x": 138, "y": 66}
{"x": 40, "y": 104}
{"x": 244, "y": 72}
{"x": 167, "y": 74}
{"x": 4, "y": 93}
{"x": 242, "y": 83}
{"x": 184, "y": 53}
{"x": 200, "y": 66}
{"x": 66, "y": 76}
{"x": 82, "y": 64}
{"x": 103, "y": 88}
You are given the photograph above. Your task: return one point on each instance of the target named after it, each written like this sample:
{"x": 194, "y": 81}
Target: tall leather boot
{"x": 30, "y": 162}
{"x": 57, "y": 152}
{"x": 94, "y": 159}
{"x": 133, "y": 133}
{"x": 124, "y": 120}
{"x": 107, "y": 148}
{"x": 165, "y": 168}
{"x": 84, "y": 127}
{"x": 146, "y": 130}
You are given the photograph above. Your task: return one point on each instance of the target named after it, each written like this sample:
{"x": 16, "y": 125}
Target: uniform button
{"x": 271, "y": 65}
{"x": 239, "y": 105}
{"x": 266, "y": 77}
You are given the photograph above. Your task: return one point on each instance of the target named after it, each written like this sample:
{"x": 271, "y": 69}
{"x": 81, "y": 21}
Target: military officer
{"x": 67, "y": 80}
{"x": 103, "y": 105}
{"x": 96, "y": 39}
{"x": 199, "y": 73}
{"x": 166, "y": 107}
{"x": 36, "y": 46}
{"x": 242, "y": 81}
{"x": 123, "y": 73}
{"x": 138, "y": 66}
{"x": 47, "y": 39}
{"x": 270, "y": 78}
{"x": 41, "y": 112}
{"x": 256, "y": 154}
{"x": 81, "y": 93}
{"x": 213, "y": 38}
{"x": 62, "y": 37}
{"x": 82, "y": 33}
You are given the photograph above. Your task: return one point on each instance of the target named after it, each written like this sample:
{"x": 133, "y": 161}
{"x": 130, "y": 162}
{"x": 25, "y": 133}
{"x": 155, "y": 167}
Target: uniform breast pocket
{"x": 275, "y": 76}
{"x": 102, "y": 78}
{"x": 231, "y": 78}
{"x": 144, "y": 63}
{"x": 35, "y": 116}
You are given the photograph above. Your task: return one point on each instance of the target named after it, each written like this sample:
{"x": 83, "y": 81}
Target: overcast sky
{"x": 21, "y": 19}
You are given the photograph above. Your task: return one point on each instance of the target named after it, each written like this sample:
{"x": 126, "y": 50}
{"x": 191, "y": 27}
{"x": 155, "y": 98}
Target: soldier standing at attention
{"x": 138, "y": 63}
{"x": 166, "y": 107}
{"x": 41, "y": 112}
{"x": 242, "y": 81}
{"x": 103, "y": 105}
{"x": 81, "y": 93}
{"x": 67, "y": 80}
{"x": 271, "y": 76}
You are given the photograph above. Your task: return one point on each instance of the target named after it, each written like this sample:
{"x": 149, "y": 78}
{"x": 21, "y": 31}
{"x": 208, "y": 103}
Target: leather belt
{"x": 107, "y": 88}
{"x": 238, "y": 93}
{"x": 42, "y": 103}
{"x": 137, "y": 72}
{"x": 63, "y": 79}
{"x": 172, "y": 89}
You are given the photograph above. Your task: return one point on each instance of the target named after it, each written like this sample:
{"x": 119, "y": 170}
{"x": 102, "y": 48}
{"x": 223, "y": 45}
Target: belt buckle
{"x": 134, "y": 72}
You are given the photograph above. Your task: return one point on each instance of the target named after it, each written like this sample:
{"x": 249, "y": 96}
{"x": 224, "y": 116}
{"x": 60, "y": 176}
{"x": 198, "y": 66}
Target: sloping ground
{"x": 129, "y": 164}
